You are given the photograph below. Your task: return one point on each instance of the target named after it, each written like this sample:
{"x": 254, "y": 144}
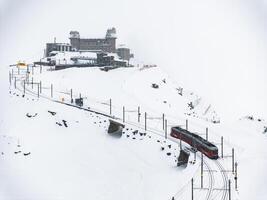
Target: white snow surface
{"x": 83, "y": 161}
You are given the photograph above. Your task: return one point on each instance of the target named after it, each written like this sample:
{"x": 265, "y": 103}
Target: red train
{"x": 202, "y": 145}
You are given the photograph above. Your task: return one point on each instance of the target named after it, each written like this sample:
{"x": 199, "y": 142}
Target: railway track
{"x": 223, "y": 173}
{"x": 160, "y": 133}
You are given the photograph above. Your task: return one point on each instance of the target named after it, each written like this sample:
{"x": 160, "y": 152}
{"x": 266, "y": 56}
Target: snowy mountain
{"x": 60, "y": 151}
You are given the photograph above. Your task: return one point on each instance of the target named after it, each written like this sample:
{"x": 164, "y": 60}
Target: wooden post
{"x": 163, "y": 121}
{"x": 222, "y": 146}
{"x": 166, "y": 128}
{"x": 51, "y": 90}
{"x": 186, "y": 124}
{"x": 110, "y": 105}
{"x": 233, "y": 160}
{"x": 123, "y": 114}
{"x": 201, "y": 170}
{"x": 207, "y": 133}
{"x": 139, "y": 114}
{"x": 145, "y": 121}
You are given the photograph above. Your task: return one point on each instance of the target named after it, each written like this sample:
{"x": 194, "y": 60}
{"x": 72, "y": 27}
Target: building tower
{"x": 75, "y": 40}
{"x": 111, "y": 39}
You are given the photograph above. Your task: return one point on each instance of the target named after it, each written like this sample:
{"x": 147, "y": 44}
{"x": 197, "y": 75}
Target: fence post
{"x": 123, "y": 114}
{"x": 40, "y": 86}
{"x": 222, "y": 146}
{"x": 201, "y": 170}
{"x": 192, "y": 188}
{"x": 145, "y": 121}
{"x": 9, "y": 78}
{"x": 40, "y": 66}
{"x": 139, "y": 114}
{"x": 166, "y": 128}
{"x": 24, "y": 87}
{"x": 163, "y": 121}
{"x": 71, "y": 96}
{"x": 236, "y": 175}
{"x": 229, "y": 189}
{"x": 110, "y": 105}
{"x": 51, "y": 90}
{"x": 233, "y": 160}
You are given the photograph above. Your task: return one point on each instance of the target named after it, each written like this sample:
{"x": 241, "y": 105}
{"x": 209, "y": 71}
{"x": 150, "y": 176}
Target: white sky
{"x": 217, "y": 48}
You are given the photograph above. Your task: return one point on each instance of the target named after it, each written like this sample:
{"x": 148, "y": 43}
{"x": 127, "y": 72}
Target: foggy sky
{"x": 216, "y": 48}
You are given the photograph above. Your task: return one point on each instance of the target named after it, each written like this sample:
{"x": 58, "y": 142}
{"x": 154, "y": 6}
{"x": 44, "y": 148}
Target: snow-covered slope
{"x": 82, "y": 160}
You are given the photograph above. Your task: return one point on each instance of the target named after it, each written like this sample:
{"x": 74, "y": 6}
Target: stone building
{"x": 107, "y": 44}
{"x": 124, "y": 53}
{"x": 57, "y": 47}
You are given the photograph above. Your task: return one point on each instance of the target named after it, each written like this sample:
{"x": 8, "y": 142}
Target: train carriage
{"x": 202, "y": 145}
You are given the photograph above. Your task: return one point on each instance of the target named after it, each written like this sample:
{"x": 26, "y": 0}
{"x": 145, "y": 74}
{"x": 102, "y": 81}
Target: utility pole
{"x": 110, "y": 107}
{"x": 235, "y": 176}
{"x": 207, "y": 133}
{"x": 166, "y": 128}
{"x": 71, "y": 96}
{"x": 222, "y": 146}
{"x": 51, "y": 90}
{"x": 163, "y": 121}
{"x": 201, "y": 170}
{"x": 233, "y": 160}
{"x": 186, "y": 124}
{"x": 192, "y": 188}
{"x": 123, "y": 114}
{"x": 145, "y": 121}
{"x": 138, "y": 114}
{"x": 24, "y": 87}
{"x": 229, "y": 189}
{"x": 9, "y": 78}
{"x": 12, "y": 75}
{"x": 40, "y": 86}
{"x": 40, "y": 66}
{"x": 32, "y": 69}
